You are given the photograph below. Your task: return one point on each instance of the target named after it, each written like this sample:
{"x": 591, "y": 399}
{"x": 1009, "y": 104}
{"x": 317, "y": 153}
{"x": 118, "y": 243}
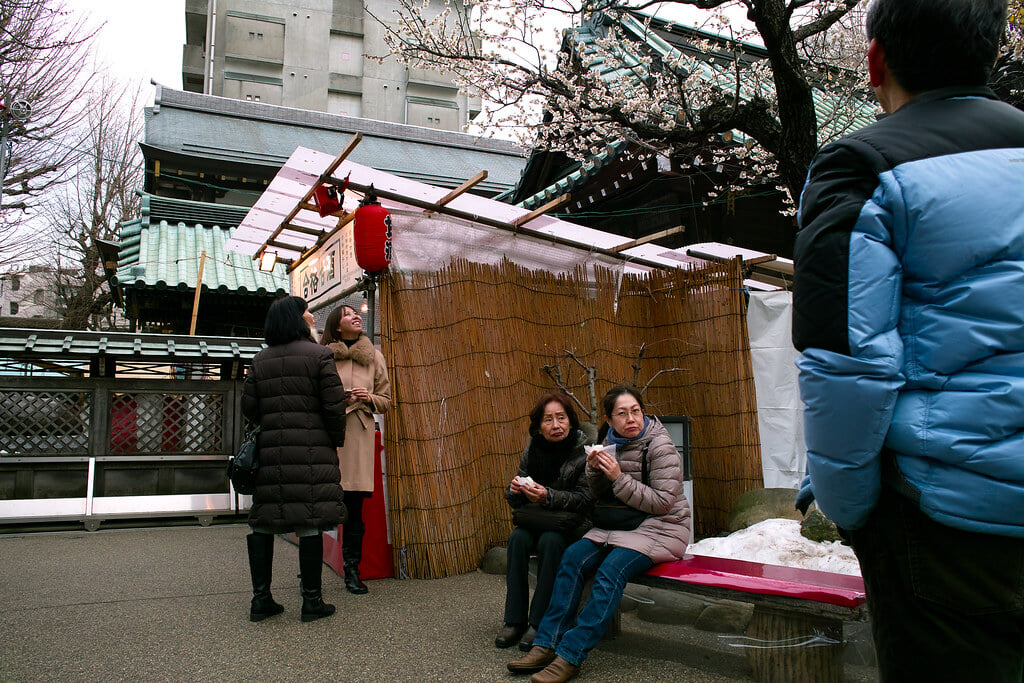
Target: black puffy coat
{"x": 568, "y": 489}
{"x": 294, "y": 392}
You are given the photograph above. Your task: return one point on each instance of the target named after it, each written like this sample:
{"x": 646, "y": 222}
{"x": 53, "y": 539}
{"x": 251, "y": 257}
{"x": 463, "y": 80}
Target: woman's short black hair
{"x": 537, "y": 413}
{"x": 608, "y": 402}
{"x": 330, "y": 333}
{"x": 284, "y": 321}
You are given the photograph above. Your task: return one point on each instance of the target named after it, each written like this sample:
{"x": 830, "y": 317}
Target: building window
{"x": 15, "y": 283}
{"x": 252, "y": 34}
{"x": 14, "y": 308}
{"x": 38, "y": 297}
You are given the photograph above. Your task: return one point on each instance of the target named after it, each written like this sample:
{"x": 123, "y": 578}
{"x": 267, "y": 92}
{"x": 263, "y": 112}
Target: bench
{"x": 796, "y": 631}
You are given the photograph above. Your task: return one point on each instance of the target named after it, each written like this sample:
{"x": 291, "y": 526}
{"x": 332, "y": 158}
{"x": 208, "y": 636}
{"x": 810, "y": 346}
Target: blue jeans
{"x": 946, "y": 604}
{"x": 612, "y": 568}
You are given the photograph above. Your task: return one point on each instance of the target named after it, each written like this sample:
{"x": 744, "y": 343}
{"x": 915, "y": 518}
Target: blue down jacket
{"x": 909, "y": 313}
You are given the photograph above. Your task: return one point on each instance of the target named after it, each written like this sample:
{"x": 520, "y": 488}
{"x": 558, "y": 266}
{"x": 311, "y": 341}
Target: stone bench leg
{"x": 773, "y": 662}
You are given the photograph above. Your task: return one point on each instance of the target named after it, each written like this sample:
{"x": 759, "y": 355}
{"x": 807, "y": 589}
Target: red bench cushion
{"x": 769, "y": 579}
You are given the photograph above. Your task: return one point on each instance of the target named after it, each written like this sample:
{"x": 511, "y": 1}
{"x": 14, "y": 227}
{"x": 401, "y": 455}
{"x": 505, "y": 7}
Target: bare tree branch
{"x": 660, "y": 372}
{"x": 101, "y": 195}
{"x": 42, "y": 51}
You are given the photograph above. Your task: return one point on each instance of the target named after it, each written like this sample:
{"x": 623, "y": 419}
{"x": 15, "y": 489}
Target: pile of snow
{"x": 778, "y": 541}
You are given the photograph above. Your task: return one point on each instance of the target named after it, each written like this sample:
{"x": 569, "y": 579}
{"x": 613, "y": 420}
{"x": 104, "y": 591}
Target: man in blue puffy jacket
{"x": 909, "y": 315}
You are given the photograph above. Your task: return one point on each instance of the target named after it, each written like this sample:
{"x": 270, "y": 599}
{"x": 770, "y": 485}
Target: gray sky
{"x": 140, "y": 41}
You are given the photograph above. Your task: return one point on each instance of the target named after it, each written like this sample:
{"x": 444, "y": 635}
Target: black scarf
{"x": 547, "y": 457}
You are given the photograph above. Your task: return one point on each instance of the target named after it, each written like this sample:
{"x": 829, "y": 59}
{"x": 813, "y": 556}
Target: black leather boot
{"x": 311, "y": 564}
{"x": 352, "y": 582}
{"x": 352, "y": 554}
{"x": 261, "y": 565}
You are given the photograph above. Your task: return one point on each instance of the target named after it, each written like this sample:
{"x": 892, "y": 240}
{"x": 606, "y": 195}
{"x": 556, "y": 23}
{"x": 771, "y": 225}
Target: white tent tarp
{"x": 779, "y": 409}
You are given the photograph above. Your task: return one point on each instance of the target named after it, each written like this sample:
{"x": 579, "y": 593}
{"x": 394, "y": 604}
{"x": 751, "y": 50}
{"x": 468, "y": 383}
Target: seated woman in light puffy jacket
{"x": 641, "y": 518}
{"x": 549, "y": 487}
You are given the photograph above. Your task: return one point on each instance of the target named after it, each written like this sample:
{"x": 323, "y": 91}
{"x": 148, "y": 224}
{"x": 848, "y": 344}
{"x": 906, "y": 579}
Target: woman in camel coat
{"x": 361, "y": 369}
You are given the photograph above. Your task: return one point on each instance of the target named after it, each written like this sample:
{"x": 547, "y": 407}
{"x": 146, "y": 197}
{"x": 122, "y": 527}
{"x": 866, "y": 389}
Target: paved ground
{"x": 171, "y": 604}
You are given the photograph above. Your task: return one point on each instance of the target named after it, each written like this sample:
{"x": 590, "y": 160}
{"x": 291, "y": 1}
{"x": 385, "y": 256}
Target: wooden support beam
{"x": 343, "y": 220}
{"x": 313, "y": 232}
{"x": 649, "y": 238}
{"x": 555, "y": 203}
{"x": 328, "y": 172}
{"x": 464, "y": 187}
{"x": 284, "y": 245}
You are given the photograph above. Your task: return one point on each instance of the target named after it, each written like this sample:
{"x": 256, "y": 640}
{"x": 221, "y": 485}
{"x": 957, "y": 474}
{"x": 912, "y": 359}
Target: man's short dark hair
{"x": 938, "y": 43}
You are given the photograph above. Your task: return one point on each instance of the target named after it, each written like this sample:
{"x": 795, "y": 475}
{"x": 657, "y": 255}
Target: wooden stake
{"x": 199, "y": 288}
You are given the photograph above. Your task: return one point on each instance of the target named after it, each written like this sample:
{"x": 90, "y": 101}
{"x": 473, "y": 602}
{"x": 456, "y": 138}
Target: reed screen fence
{"x": 466, "y": 348}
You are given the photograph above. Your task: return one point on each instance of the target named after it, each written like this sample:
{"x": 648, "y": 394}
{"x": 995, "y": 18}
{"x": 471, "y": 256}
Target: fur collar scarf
{"x": 360, "y": 353}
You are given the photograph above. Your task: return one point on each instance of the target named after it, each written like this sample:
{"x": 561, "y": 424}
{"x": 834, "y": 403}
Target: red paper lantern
{"x": 372, "y": 235}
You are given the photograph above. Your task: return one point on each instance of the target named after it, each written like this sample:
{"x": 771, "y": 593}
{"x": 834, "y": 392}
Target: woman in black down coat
{"x": 551, "y": 477}
{"x": 293, "y": 392}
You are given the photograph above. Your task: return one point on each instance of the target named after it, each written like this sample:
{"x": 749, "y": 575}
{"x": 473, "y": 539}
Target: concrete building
{"x": 323, "y": 55}
{"x": 30, "y": 293}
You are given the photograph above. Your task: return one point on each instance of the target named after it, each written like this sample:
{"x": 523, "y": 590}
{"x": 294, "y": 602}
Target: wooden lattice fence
{"x": 466, "y": 346}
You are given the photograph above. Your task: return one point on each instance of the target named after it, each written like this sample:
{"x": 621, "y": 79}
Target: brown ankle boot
{"x": 558, "y": 671}
{"x": 534, "y": 660}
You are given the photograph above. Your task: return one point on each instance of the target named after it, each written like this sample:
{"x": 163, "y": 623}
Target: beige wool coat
{"x": 361, "y": 365}
{"x": 665, "y": 534}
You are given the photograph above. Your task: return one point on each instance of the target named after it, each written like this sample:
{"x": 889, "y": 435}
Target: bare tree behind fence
{"x": 470, "y": 348}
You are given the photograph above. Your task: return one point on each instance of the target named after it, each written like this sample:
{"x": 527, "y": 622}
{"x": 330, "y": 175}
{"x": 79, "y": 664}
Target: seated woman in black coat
{"x": 293, "y": 392}
{"x": 551, "y": 504}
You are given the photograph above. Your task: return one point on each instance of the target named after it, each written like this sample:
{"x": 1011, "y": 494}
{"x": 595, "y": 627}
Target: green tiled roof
{"x": 576, "y": 178}
{"x": 156, "y": 252}
{"x": 65, "y": 344}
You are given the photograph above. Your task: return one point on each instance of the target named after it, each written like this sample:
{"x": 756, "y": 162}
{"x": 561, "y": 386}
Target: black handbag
{"x": 612, "y": 514}
{"x": 242, "y": 466}
{"x": 536, "y": 517}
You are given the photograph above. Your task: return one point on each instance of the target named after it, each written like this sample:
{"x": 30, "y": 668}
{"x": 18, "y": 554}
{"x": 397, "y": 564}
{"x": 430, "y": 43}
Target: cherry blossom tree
{"x": 1008, "y": 75}
{"x": 669, "y": 102}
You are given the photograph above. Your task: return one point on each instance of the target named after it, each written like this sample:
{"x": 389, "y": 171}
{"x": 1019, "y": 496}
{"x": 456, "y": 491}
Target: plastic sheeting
{"x": 779, "y": 409}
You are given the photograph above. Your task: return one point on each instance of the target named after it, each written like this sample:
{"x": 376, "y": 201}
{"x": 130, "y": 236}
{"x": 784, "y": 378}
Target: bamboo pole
{"x": 199, "y": 288}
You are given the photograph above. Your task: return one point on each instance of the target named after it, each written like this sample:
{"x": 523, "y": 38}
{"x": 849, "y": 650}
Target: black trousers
{"x": 353, "y": 529}
{"x": 946, "y": 604}
{"x": 549, "y": 546}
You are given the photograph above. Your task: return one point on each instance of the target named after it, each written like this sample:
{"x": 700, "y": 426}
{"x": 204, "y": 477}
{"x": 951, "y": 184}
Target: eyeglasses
{"x": 623, "y": 414}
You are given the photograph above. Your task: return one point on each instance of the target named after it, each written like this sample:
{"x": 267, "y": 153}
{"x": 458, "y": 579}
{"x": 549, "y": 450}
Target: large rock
{"x": 725, "y": 616}
{"x": 817, "y": 527}
{"x": 494, "y": 561}
{"x": 761, "y": 504}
